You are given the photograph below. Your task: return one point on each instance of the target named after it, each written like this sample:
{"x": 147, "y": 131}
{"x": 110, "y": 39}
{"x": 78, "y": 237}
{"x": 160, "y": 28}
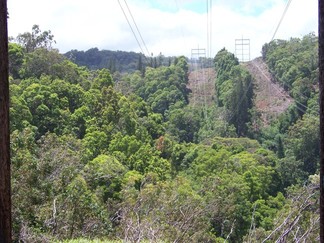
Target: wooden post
{"x": 321, "y": 89}
{"x": 5, "y": 187}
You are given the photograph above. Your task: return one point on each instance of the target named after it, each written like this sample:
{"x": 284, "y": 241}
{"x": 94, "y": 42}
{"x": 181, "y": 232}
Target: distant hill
{"x": 121, "y": 61}
{"x": 94, "y": 58}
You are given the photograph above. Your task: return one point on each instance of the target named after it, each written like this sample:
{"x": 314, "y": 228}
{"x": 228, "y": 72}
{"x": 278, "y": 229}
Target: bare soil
{"x": 202, "y": 85}
{"x": 270, "y": 98}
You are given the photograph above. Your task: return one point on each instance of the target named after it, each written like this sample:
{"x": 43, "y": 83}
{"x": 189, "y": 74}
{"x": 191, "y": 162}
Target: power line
{"x": 269, "y": 81}
{"x": 181, "y": 29}
{"x": 131, "y": 27}
{"x": 148, "y": 53}
{"x": 195, "y": 70}
{"x": 209, "y": 51}
{"x": 289, "y": 86}
{"x": 209, "y": 27}
{"x": 282, "y": 17}
{"x": 208, "y": 30}
{"x": 204, "y": 91}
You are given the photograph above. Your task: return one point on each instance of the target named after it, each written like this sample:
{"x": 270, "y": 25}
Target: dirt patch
{"x": 270, "y": 98}
{"x": 202, "y": 85}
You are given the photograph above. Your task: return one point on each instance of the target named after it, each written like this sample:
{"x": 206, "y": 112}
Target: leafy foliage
{"x": 234, "y": 90}
{"x": 295, "y": 135}
{"x": 116, "y": 61}
{"x": 91, "y": 162}
{"x": 36, "y": 39}
{"x": 294, "y": 64}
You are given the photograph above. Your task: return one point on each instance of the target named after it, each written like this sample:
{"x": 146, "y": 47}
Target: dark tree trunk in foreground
{"x": 321, "y": 87}
{"x": 5, "y": 194}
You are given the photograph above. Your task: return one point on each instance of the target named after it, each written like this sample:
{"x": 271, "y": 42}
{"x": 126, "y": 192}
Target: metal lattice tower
{"x": 198, "y": 53}
{"x": 242, "y": 49}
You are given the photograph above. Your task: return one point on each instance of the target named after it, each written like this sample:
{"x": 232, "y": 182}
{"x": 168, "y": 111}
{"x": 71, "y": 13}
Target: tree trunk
{"x": 321, "y": 87}
{"x": 5, "y": 191}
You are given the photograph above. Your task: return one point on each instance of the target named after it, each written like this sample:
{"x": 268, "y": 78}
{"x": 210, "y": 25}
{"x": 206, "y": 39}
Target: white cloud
{"x": 80, "y": 24}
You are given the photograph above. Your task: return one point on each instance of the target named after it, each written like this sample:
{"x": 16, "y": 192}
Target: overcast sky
{"x": 172, "y": 27}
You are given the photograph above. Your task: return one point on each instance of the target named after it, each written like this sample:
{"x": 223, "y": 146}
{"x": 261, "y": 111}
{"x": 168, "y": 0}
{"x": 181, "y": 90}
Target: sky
{"x": 170, "y": 27}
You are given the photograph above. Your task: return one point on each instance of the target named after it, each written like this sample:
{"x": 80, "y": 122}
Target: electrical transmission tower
{"x": 198, "y": 53}
{"x": 196, "y": 57}
{"x": 242, "y": 49}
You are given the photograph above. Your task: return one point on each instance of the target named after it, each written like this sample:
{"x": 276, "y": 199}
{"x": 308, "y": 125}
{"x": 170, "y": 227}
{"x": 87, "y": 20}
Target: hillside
{"x": 138, "y": 157}
{"x": 202, "y": 85}
{"x": 270, "y": 98}
{"x": 116, "y": 61}
{"x": 94, "y": 58}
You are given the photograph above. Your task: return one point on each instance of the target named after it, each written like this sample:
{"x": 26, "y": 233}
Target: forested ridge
{"x": 115, "y": 61}
{"x": 98, "y": 154}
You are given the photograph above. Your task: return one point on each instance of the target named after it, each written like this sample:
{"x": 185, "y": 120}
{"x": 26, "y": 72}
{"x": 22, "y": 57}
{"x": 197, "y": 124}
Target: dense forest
{"x": 116, "y": 61}
{"x": 139, "y": 163}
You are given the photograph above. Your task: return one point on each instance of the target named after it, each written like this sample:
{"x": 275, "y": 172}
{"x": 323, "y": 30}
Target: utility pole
{"x": 321, "y": 89}
{"x": 5, "y": 187}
